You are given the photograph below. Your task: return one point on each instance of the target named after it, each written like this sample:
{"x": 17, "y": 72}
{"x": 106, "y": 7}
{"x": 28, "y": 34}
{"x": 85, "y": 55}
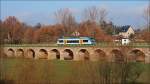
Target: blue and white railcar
{"x": 76, "y": 41}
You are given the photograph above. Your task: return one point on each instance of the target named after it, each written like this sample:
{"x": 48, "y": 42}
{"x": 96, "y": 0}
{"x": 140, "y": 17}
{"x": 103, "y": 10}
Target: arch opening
{"x": 56, "y": 53}
{"x": 30, "y": 53}
{"x": 84, "y": 54}
{"x": 10, "y": 53}
{"x": 68, "y": 54}
{"x": 43, "y": 54}
{"x": 20, "y": 53}
{"x": 100, "y": 55}
{"x": 137, "y": 56}
{"x": 117, "y": 56}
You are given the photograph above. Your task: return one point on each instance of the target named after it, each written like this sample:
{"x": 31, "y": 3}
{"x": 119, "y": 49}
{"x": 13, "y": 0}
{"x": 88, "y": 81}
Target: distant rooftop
{"x": 125, "y": 28}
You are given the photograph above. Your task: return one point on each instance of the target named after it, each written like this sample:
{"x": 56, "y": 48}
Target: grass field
{"x": 29, "y": 71}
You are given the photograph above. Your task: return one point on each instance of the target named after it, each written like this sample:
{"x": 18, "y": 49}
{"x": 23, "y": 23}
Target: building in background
{"x": 126, "y": 31}
{"x": 125, "y": 34}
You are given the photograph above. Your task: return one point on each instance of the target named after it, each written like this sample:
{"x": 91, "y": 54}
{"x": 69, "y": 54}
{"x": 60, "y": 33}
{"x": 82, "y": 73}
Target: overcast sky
{"x": 31, "y": 12}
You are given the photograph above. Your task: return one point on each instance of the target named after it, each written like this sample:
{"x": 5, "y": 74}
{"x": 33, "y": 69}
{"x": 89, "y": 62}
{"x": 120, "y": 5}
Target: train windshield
{"x": 93, "y": 40}
{"x": 61, "y": 41}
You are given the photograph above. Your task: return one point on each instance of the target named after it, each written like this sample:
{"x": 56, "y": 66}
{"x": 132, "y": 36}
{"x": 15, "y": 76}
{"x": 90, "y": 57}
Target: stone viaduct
{"x": 93, "y": 53}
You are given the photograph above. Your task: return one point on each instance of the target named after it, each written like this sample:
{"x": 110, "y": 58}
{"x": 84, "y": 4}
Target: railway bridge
{"x": 76, "y": 53}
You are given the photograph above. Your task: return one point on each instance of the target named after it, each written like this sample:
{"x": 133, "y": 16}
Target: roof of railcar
{"x": 76, "y": 38}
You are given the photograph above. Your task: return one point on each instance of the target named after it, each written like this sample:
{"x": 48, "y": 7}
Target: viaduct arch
{"x": 30, "y": 53}
{"x": 100, "y": 55}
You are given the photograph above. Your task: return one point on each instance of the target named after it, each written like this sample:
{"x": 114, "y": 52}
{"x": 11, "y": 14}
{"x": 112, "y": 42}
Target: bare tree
{"x": 66, "y": 18}
{"x": 102, "y": 14}
{"x": 147, "y": 15}
{"x": 95, "y": 14}
{"x": 91, "y": 13}
{"x": 147, "y": 19}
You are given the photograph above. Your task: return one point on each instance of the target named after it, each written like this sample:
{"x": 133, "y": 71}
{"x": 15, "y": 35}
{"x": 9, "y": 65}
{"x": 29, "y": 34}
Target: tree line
{"x": 94, "y": 25}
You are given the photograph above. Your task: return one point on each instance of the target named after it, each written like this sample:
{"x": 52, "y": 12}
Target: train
{"x": 76, "y": 41}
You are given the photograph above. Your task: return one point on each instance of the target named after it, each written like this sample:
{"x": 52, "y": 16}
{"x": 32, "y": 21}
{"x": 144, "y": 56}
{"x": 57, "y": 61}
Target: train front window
{"x": 93, "y": 40}
{"x": 61, "y": 41}
{"x": 85, "y": 40}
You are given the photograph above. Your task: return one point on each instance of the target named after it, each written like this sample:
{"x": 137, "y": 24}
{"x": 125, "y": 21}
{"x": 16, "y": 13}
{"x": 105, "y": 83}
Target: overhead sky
{"x": 32, "y": 12}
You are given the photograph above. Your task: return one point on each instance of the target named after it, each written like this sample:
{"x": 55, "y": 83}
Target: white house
{"x": 126, "y": 31}
{"x": 125, "y": 41}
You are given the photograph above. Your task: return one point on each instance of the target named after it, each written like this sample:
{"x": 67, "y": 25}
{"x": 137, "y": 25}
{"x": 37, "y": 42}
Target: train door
{"x": 65, "y": 42}
{"x": 81, "y": 41}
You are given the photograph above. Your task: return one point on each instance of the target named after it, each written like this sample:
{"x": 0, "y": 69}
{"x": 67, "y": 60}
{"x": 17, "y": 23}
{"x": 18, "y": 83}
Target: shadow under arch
{"x": 10, "y": 53}
{"x": 20, "y": 53}
{"x": 57, "y": 53}
{"x": 117, "y": 56}
{"x": 100, "y": 55}
{"x": 30, "y": 53}
{"x": 84, "y": 54}
{"x": 68, "y": 54}
{"x": 43, "y": 54}
{"x": 136, "y": 56}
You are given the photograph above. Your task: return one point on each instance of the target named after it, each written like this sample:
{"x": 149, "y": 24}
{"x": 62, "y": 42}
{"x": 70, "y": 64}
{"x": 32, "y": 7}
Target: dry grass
{"x": 27, "y": 71}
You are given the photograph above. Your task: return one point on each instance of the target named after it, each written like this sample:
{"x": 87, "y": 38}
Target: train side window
{"x": 61, "y": 41}
{"x": 76, "y": 41}
{"x": 72, "y": 41}
{"x": 68, "y": 41}
{"x": 85, "y": 40}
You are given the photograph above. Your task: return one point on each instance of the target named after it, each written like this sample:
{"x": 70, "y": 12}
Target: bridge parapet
{"x": 103, "y": 44}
